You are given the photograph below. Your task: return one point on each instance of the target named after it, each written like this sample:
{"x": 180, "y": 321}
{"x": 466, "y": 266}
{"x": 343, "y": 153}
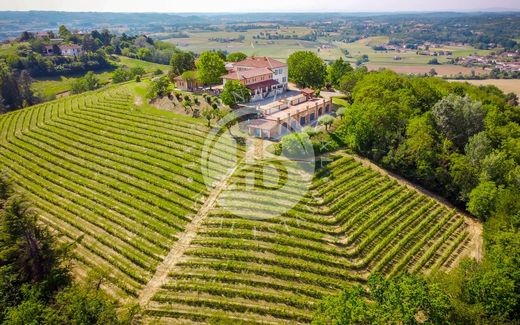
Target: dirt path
{"x": 474, "y": 248}
{"x": 184, "y": 241}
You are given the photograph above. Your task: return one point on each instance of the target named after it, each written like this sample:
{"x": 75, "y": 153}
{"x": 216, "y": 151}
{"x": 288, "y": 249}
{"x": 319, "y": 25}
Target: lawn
{"x": 149, "y": 67}
{"x": 56, "y": 86}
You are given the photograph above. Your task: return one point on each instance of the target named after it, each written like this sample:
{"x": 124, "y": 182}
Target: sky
{"x": 259, "y": 5}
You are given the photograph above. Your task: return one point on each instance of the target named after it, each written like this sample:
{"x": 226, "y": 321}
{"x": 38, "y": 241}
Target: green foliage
{"x": 405, "y": 299}
{"x": 340, "y": 112}
{"x": 337, "y": 70}
{"x": 349, "y": 80}
{"x": 120, "y": 75}
{"x": 482, "y": 199}
{"x": 159, "y": 87}
{"x": 211, "y": 67}
{"x": 236, "y": 57}
{"x": 306, "y": 69}
{"x": 296, "y": 145}
{"x": 181, "y": 62}
{"x": 235, "y": 93}
{"x": 459, "y": 118}
{"x": 208, "y": 113}
{"x": 326, "y": 120}
{"x": 86, "y": 83}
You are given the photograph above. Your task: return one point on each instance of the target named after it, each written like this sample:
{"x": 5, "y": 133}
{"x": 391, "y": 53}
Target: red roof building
{"x": 262, "y": 75}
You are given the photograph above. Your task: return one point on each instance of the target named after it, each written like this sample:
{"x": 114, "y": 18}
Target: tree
{"x": 337, "y": 70}
{"x": 24, "y": 84}
{"x": 236, "y": 57}
{"x": 28, "y": 253}
{"x": 144, "y": 54}
{"x": 63, "y": 32}
{"x": 326, "y": 120}
{"x": 181, "y": 62}
{"x": 88, "y": 82}
{"x": 458, "y": 118}
{"x": 306, "y": 69}
{"x": 477, "y": 148}
{"x": 234, "y": 93}
{"x": 512, "y": 99}
{"x": 159, "y": 87}
{"x": 120, "y": 75}
{"x": 211, "y": 67}
{"x": 190, "y": 76}
{"x": 137, "y": 71}
{"x": 297, "y": 145}
{"x": 482, "y": 200}
{"x": 208, "y": 113}
{"x": 350, "y": 79}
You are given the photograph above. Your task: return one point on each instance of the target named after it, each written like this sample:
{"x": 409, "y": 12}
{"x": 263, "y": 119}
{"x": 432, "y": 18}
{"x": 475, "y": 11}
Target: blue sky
{"x": 259, "y": 5}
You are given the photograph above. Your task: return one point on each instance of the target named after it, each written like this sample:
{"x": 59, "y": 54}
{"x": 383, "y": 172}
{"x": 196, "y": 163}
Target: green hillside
{"x": 128, "y": 183}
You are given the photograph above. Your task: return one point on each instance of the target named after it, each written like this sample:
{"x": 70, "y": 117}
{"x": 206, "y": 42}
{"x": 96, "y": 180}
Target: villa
{"x": 289, "y": 114}
{"x": 263, "y": 76}
{"x": 65, "y": 50}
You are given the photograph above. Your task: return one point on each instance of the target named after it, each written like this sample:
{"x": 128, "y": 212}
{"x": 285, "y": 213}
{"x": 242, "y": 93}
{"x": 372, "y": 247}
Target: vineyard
{"x": 123, "y": 182}
{"x": 128, "y": 186}
{"x": 260, "y": 268}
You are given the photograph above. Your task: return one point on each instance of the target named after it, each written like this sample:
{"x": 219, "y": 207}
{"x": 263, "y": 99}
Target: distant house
{"x": 65, "y": 50}
{"x": 42, "y": 34}
{"x": 48, "y": 50}
{"x": 263, "y": 76}
{"x": 71, "y": 50}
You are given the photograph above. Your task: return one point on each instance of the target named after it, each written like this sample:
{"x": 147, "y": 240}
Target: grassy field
{"x": 54, "y": 86}
{"x": 279, "y": 49}
{"x": 128, "y": 178}
{"x": 506, "y": 85}
{"x": 410, "y": 63}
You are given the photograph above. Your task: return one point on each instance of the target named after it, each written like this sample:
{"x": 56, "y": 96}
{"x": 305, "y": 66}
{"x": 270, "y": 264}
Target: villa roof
{"x": 245, "y": 74}
{"x": 71, "y": 46}
{"x": 262, "y": 84}
{"x": 260, "y": 62}
{"x": 295, "y": 109}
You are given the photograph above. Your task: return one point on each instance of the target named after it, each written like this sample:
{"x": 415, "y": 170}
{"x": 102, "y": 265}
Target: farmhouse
{"x": 188, "y": 84}
{"x": 289, "y": 114}
{"x": 65, "y": 50}
{"x": 263, "y": 76}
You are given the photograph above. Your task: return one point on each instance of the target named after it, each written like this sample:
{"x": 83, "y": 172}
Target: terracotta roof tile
{"x": 260, "y": 62}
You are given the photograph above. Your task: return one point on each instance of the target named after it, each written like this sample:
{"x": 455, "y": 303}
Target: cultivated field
{"x": 354, "y": 221}
{"x": 126, "y": 180}
{"x": 506, "y": 85}
{"x": 279, "y": 49}
{"x": 410, "y": 63}
{"x": 129, "y": 180}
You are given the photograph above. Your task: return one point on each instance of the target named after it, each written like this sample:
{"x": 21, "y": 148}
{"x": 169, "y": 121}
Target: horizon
{"x": 267, "y": 6}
